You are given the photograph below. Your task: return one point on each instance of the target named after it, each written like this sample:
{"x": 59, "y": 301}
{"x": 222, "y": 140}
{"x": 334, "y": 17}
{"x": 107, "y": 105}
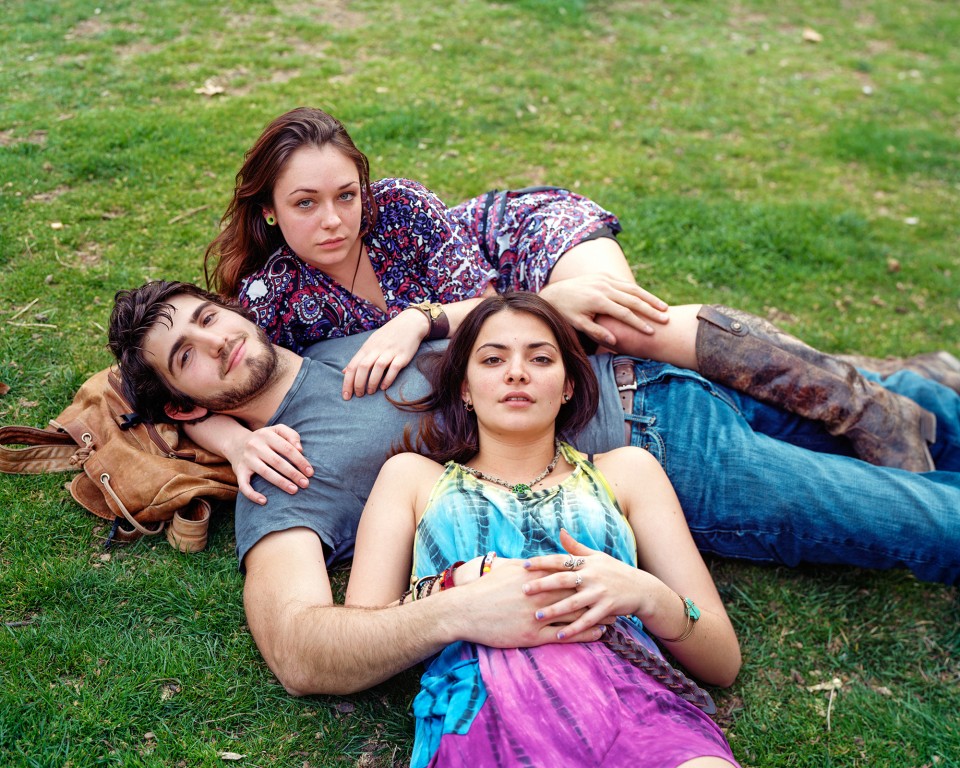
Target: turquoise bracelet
{"x": 692, "y": 613}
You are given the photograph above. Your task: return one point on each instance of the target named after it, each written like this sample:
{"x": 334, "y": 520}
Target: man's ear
{"x": 178, "y": 414}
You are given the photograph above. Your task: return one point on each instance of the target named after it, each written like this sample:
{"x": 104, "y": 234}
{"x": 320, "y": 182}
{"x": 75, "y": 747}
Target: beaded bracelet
{"x": 424, "y": 586}
{"x": 419, "y": 588}
{"x": 447, "y": 581}
{"x": 487, "y": 562}
{"x": 693, "y": 616}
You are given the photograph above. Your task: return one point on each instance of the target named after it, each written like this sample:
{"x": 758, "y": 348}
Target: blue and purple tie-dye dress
{"x": 570, "y": 705}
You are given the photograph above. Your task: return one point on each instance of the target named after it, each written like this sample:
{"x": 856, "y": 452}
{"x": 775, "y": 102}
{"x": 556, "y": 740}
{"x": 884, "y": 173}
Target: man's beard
{"x": 263, "y": 368}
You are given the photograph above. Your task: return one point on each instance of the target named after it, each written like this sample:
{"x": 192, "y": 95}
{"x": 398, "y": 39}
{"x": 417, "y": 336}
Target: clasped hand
{"x": 602, "y": 586}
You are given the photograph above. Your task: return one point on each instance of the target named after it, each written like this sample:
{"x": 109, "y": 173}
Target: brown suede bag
{"x": 133, "y": 474}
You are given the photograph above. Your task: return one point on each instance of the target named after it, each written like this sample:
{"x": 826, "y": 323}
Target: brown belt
{"x": 625, "y": 374}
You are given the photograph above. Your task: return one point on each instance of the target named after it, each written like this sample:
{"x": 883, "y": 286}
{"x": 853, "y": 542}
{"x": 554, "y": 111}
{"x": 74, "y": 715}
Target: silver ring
{"x": 570, "y": 563}
{"x": 578, "y": 582}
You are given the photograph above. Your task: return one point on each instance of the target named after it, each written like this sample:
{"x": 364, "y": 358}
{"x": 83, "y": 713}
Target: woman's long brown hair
{"x": 246, "y": 241}
{"x": 446, "y": 430}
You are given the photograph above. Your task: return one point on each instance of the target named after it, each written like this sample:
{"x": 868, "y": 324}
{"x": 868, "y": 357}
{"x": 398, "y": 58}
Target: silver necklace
{"x": 517, "y": 488}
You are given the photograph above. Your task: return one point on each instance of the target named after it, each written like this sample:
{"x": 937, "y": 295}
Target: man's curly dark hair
{"x": 135, "y": 313}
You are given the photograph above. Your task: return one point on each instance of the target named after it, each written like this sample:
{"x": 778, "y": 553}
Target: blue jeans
{"x": 761, "y": 484}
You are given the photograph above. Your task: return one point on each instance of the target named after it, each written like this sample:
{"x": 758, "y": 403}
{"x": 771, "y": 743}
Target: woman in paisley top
{"x": 501, "y": 488}
{"x": 315, "y": 250}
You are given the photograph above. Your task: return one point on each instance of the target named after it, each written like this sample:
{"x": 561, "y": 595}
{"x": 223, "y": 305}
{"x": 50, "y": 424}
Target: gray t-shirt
{"x": 347, "y": 441}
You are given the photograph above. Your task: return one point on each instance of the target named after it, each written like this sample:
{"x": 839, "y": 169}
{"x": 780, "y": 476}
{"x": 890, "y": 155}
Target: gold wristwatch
{"x": 439, "y": 322}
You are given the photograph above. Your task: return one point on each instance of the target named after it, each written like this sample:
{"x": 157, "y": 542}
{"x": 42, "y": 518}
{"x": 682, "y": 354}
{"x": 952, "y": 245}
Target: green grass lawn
{"x": 815, "y": 183}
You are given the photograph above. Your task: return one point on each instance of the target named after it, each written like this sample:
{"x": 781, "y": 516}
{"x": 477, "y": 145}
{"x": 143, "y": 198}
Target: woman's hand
{"x": 387, "y": 352}
{"x": 583, "y": 299}
{"x": 535, "y": 602}
{"x": 604, "y": 586}
{"x": 274, "y": 453}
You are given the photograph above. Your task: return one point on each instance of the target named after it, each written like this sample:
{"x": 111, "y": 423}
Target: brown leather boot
{"x": 187, "y": 531}
{"x": 941, "y": 367}
{"x": 751, "y": 355}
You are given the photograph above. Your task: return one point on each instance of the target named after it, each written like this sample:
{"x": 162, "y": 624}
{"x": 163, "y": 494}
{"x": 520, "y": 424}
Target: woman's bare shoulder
{"x": 410, "y": 470}
{"x": 628, "y": 459}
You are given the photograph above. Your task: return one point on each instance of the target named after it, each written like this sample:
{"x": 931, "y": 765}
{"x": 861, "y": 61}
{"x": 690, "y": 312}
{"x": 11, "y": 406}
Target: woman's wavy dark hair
{"x": 449, "y": 432}
{"x": 246, "y": 241}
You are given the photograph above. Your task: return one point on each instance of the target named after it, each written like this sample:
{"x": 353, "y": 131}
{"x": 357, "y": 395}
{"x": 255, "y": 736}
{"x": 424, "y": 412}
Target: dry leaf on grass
{"x": 210, "y": 87}
{"x": 834, "y": 685}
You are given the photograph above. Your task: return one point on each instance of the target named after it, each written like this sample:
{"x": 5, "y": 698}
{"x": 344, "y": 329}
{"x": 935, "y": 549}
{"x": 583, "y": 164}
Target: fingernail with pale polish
{"x": 526, "y": 563}
{"x": 539, "y": 615}
{"x": 561, "y": 635}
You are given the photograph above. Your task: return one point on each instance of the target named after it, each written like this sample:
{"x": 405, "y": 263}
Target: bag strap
{"x": 46, "y": 451}
{"x": 659, "y": 669}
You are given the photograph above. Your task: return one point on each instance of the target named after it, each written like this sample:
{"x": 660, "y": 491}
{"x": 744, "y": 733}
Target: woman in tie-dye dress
{"x": 502, "y": 489}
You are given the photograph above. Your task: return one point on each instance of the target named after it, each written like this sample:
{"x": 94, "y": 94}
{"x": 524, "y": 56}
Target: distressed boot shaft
{"x": 751, "y": 355}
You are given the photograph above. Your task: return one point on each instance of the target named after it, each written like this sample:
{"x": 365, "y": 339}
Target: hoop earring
{"x": 271, "y": 221}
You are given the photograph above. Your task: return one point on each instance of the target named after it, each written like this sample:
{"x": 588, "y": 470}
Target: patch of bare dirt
{"x": 50, "y": 195}
{"x": 337, "y": 13}
{"x": 9, "y": 139}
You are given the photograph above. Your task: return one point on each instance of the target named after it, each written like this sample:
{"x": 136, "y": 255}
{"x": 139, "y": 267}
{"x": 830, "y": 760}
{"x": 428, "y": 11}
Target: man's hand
{"x": 582, "y": 300}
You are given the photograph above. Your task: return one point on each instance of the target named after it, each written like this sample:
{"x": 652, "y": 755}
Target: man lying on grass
{"x": 185, "y": 354}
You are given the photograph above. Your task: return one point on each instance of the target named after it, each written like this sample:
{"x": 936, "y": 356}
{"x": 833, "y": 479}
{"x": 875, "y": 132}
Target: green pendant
{"x": 520, "y": 488}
